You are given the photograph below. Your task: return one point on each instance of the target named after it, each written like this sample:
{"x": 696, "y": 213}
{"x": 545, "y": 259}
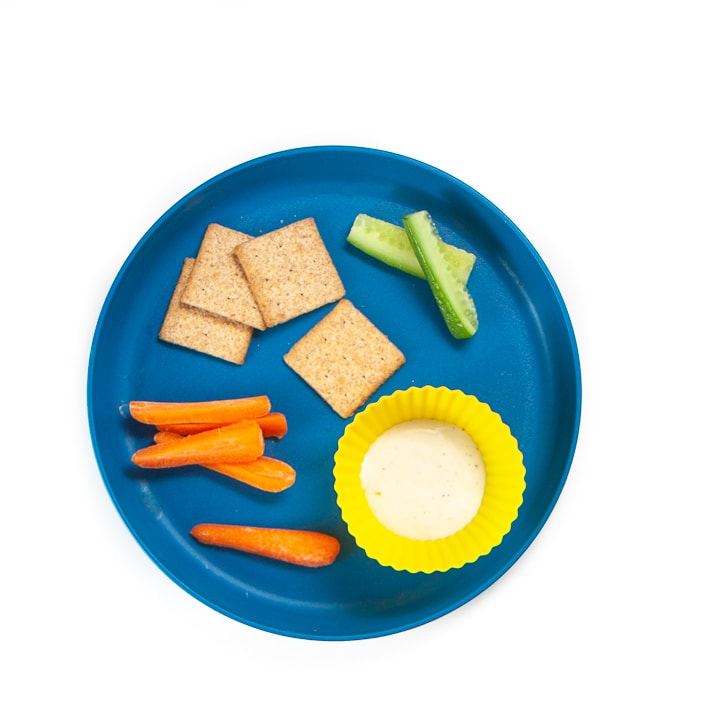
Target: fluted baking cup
{"x": 502, "y": 495}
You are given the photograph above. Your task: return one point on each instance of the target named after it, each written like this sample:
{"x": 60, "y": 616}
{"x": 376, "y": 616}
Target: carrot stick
{"x": 187, "y": 428}
{"x": 165, "y": 435}
{"x": 263, "y": 473}
{"x": 300, "y": 547}
{"x": 274, "y": 424}
{"x": 218, "y": 412}
{"x": 231, "y": 443}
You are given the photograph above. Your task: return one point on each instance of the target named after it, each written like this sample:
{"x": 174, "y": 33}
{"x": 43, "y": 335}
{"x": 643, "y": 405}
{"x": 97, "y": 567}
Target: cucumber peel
{"x": 389, "y": 243}
{"x": 450, "y": 291}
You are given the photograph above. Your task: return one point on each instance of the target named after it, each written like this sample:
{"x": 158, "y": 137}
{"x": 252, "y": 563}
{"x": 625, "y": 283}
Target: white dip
{"x": 424, "y": 479}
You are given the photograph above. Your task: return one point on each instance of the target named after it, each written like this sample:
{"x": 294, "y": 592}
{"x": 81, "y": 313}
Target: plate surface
{"x": 523, "y": 362}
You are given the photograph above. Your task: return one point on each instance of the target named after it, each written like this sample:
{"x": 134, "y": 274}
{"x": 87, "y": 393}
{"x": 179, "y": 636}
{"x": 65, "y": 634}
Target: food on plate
{"x": 273, "y": 425}
{"x": 199, "y": 330}
{"x": 344, "y": 358}
{"x": 217, "y": 283}
{"x": 221, "y": 412}
{"x": 424, "y": 479}
{"x": 290, "y": 271}
{"x": 299, "y": 547}
{"x": 451, "y": 294}
{"x": 264, "y": 473}
{"x": 239, "y": 283}
{"x": 226, "y": 436}
{"x": 436, "y": 510}
{"x": 389, "y": 243}
{"x": 237, "y": 442}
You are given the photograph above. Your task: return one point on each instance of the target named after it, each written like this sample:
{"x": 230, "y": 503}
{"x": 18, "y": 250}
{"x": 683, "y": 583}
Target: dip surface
{"x": 424, "y": 479}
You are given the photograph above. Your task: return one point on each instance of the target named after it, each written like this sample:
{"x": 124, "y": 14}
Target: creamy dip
{"x": 424, "y": 479}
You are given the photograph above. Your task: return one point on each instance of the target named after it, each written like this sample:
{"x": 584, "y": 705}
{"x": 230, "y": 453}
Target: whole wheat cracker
{"x": 344, "y": 358}
{"x": 290, "y": 271}
{"x": 200, "y": 330}
{"x": 217, "y": 283}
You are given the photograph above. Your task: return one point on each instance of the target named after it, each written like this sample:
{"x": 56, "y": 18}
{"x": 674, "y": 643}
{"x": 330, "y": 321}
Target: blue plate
{"x": 523, "y": 361}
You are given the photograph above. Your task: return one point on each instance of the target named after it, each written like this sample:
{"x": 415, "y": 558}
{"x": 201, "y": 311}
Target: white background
{"x": 594, "y": 126}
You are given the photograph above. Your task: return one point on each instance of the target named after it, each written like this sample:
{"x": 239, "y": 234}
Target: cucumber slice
{"x": 385, "y": 242}
{"x": 451, "y": 294}
{"x": 389, "y": 243}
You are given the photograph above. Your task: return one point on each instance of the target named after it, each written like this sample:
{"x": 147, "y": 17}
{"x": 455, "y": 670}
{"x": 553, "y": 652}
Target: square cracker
{"x": 290, "y": 271}
{"x": 217, "y": 283}
{"x": 200, "y": 330}
{"x": 344, "y": 358}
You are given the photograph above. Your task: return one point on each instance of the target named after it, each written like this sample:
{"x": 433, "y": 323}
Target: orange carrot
{"x": 274, "y": 424}
{"x": 300, "y": 547}
{"x": 263, "y": 473}
{"x": 234, "y": 443}
{"x": 217, "y": 412}
{"x": 187, "y": 428}
{"x": 165, "y": 435}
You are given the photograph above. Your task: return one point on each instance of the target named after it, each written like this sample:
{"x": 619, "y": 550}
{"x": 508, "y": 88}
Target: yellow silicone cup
{"x": 504, "y": 481}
